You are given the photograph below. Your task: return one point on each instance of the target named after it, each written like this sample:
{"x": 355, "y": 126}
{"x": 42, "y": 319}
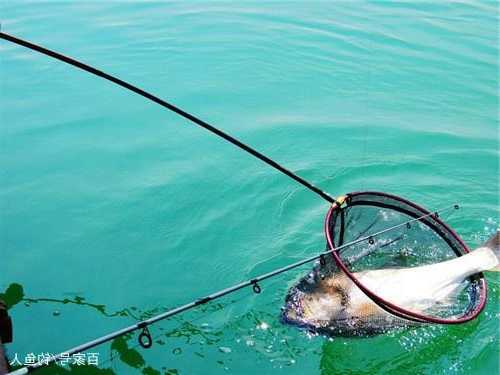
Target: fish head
{"x": 317, "y": 301}
{"x": 327, "y": 302}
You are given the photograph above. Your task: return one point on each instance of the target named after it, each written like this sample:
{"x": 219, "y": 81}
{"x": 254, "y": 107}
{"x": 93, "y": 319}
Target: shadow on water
{"x": 12, "y": 295}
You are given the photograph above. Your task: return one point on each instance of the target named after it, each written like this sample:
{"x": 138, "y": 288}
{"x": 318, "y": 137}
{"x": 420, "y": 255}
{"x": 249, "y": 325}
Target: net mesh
{"x": 419, "y": 243}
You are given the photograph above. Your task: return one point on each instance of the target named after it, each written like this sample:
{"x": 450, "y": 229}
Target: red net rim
{"x": 386, "y": 305}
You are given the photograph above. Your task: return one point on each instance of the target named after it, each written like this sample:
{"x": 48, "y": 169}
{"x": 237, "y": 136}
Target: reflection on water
{"x": 12, "y": 295}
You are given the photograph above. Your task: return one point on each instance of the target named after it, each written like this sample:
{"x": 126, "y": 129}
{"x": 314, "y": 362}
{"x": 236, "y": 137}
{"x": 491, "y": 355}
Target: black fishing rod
{"x": 169, "y": 106}
{"x": 145, "y": 339}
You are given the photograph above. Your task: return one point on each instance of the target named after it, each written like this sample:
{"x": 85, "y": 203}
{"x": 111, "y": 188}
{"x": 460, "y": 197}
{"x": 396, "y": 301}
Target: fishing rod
{"x": 145, "y": 339}
{"x": 169, "y": 106}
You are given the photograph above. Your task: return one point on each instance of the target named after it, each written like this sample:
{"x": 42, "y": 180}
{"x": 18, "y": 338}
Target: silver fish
{"x": 326, "y": 301}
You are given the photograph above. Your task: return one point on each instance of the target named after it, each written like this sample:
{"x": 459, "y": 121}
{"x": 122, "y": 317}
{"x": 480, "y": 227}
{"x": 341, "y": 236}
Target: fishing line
{"x": 169, "y": 106}
{"x": 145, "y": 336}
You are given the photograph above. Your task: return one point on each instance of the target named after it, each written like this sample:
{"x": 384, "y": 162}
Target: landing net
{"x": 418, "y": 243}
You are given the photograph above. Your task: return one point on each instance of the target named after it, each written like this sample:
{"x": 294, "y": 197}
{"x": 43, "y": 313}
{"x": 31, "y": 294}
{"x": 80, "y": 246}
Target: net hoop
{"x": 387, "y": 305}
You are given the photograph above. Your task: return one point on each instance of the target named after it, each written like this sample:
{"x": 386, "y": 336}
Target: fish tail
{"x": 493, "y": 244}
{"x": 484, "y": 258}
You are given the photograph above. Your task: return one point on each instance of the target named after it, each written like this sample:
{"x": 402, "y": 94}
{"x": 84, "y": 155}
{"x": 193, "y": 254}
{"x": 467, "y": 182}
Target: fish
{"x": 327, "y": 302}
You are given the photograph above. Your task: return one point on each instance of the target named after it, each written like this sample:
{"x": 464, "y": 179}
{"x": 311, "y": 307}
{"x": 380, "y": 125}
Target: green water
{"x": 112, "y": 209}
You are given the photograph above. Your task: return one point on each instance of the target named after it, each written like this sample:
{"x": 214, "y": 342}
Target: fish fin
{"x": 494, "y": 245}
{"x": 367, "y": 309}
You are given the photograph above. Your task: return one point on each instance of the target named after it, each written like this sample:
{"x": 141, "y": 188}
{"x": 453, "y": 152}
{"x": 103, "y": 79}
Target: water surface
{"x": 112, "y": 209}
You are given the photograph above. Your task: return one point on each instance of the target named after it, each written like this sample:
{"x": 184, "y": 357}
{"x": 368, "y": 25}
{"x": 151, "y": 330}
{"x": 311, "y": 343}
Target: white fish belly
{"x": 419, "y": 288}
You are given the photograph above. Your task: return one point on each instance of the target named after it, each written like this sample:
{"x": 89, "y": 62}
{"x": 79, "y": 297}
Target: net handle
{"x": 381, "y": 302}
